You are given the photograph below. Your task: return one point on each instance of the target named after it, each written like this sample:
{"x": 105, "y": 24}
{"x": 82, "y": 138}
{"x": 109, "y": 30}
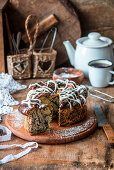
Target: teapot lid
{"x": 94, "y": 40}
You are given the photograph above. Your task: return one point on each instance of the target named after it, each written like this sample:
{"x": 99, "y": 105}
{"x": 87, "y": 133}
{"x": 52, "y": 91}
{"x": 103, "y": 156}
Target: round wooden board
{"x": 56, "y": 135}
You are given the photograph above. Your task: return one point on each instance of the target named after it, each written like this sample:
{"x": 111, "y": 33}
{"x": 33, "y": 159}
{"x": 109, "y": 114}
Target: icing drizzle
{"x": 69, "y": 91}
{"x": 31, "y": 102}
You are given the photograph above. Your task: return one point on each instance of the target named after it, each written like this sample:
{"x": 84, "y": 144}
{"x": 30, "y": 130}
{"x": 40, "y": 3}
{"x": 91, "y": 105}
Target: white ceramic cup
{"x": 100, "y": 73}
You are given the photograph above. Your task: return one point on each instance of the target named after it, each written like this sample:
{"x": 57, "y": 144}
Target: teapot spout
{"x": 70, "y": 51}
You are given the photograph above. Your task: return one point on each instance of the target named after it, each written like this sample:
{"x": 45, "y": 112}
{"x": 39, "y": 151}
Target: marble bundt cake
{"x": 63, "y": 99}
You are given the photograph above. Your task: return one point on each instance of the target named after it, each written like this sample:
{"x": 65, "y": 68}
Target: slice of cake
{"x": 37, "y": 116}
{"x": 46, "y": 95}
{"x": 72, "y": 107}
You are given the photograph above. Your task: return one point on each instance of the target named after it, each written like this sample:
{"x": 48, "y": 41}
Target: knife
{"x": 103, "y": 122}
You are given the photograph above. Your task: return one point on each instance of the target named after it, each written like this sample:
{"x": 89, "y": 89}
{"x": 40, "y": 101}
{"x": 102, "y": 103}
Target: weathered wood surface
{"x": 92, "y": 152}
{"x": 2, "y": 57}
{"x": 68, "y": 26}
{"x": 9, "y": 34}
{"x": 96, "y": 15}
{"x": 3, "y": 4}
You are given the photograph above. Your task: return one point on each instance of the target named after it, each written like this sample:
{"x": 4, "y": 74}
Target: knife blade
{"x": 103, "y": 122}
{"x": 101, "y": 118}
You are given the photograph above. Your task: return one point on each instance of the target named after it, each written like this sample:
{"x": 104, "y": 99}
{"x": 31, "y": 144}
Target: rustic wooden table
{"x": 92, "y": 152}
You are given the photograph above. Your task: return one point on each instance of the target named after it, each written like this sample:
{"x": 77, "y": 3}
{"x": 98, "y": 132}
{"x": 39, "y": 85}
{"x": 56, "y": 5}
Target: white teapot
{"x": 89, "y": 48}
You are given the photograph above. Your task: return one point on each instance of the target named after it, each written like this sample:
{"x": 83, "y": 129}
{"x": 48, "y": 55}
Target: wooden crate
{"x": 19, "y": 65}
{"x": 43, "y": 63}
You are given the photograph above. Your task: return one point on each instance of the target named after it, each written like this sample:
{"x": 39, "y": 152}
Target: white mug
{"x": 100, "y": 73}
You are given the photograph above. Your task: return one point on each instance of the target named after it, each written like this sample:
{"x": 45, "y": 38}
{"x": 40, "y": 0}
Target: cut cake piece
{"x": 72, "y": 107}
{"x": 47, "y": 96}
{"x": 37, "y": 116}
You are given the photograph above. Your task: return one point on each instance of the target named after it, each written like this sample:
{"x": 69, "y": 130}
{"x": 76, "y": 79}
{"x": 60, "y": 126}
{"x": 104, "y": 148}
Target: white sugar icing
{"x": 69, "y": 94}
{"x": 55, "y": 84}
{"x": 36, "y": 84}
{"x": 67, "y": 75}
{"x": 33, "y": 93}
{"x": 31, "y": 102}
{"x": 84, "y": 99}
{"x": 76, "y": 93}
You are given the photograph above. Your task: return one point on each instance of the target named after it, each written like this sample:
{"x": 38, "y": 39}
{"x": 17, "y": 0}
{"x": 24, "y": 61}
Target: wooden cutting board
{"x": 56, "y": 135}
{"x": 68, "y": 26}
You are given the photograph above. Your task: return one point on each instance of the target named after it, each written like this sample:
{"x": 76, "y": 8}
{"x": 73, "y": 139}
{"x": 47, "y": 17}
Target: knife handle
{"x": 109, "y": 133}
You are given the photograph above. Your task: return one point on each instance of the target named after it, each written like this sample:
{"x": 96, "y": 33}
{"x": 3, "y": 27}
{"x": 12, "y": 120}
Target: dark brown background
{"x": 94, "y": 15}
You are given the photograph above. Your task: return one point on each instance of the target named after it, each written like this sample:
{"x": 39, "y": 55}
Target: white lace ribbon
{"x": 6, "y": 137}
